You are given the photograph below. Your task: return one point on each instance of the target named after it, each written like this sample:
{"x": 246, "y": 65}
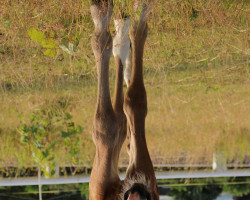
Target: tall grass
{"x": 196, "y": 67}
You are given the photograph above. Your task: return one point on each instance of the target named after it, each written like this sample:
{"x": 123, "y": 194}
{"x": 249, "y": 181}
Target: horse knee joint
{"x": 105, "y": 129}
{"x": 135, "y": 107}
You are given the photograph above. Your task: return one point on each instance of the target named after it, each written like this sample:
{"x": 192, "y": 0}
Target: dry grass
{"x": 196, "y": 75}
{"x": 193, "y": 117}
{"x": 188, "y": 116}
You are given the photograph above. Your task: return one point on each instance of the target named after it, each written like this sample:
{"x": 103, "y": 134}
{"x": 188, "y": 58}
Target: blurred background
{"x": 196, "y": 71}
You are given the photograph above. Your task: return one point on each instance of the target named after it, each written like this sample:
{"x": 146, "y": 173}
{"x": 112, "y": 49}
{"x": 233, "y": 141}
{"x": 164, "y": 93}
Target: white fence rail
{"x": 85, "y": 179}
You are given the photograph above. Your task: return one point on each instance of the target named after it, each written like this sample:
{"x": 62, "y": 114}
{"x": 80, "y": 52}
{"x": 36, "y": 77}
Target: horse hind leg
{"x": 135, "y": 107}
{"x": 121, "y": 45}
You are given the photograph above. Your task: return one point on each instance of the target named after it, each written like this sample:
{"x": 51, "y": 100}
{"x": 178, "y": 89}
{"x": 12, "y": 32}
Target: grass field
{"x": 196, "y": 68}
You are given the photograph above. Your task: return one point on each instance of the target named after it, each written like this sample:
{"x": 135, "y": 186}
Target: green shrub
{"x": 46, "y": 129}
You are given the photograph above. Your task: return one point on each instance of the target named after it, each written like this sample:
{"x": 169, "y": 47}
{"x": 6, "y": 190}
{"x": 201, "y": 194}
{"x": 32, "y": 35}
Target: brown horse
{"x": 110, "y": 123}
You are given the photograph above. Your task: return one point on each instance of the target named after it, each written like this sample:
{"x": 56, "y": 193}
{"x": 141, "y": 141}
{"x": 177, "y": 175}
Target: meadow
{"x": 196, "y": 71}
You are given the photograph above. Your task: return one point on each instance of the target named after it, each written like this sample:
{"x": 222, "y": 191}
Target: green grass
{"x": 196, "y": 67}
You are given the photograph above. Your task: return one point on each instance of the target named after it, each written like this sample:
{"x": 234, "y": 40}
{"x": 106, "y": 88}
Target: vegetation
{"x": 186, "y": 189}
{"x": 43, "y": 133}
{"x": 209, "y": 188}
{"x": 65, "y": 192}
{"x": 196, "y": 67}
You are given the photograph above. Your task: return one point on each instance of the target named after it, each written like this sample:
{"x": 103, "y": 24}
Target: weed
{"x": 44, "y": 131}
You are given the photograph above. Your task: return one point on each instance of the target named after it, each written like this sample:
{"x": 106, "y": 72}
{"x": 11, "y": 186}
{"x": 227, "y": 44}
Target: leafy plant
{"x": 46, "y": 129}
{"x": 48, "y": 43}
{"x": 70, "y": 132}
{"x": 69, "y": 48}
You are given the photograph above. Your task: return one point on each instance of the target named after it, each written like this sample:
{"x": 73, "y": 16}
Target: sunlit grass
{"x": 197, "y": 118}
{"x": 196, "y": 67}
{"x": 187, "y": 116}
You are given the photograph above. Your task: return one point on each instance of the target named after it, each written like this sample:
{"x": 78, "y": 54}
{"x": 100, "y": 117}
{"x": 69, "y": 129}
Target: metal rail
{"x": 85, "y": 179}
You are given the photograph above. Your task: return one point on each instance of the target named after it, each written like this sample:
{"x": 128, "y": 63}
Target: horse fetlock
{"x": 102, "y": 45}
{"x": 101, "y": 14}
{"x": 138, "y": 32}
{"x": 121, "y": 44}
